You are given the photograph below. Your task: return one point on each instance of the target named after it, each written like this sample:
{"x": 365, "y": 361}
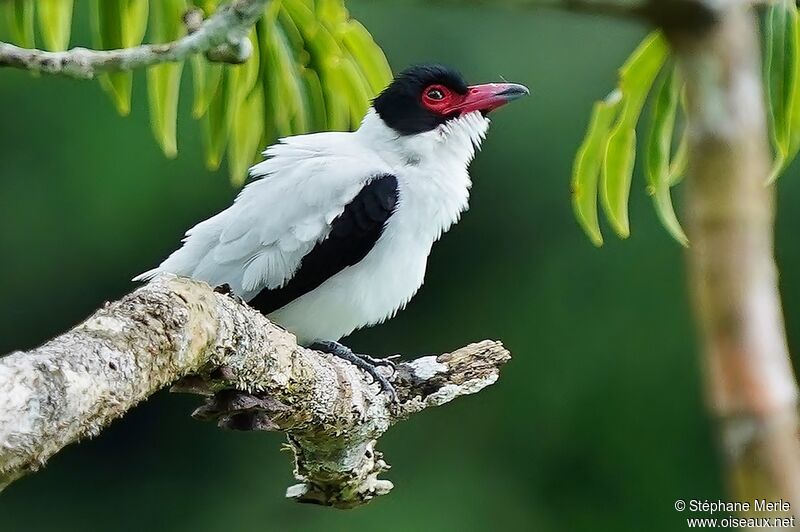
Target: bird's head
{"x": 424, "y": 97}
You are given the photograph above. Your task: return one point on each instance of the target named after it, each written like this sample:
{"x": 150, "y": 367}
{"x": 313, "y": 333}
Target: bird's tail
{"x": 149, "y": 274}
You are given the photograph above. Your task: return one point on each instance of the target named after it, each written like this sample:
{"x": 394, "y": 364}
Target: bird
{"x": 334, "y": 229}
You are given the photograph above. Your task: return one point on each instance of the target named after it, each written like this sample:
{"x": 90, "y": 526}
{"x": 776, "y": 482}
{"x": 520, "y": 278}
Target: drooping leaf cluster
{"x": 604, "y": 164}
{"x": 313, "y": 68}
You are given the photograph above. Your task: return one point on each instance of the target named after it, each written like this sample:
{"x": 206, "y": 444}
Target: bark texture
{"x": 733, "y": 278}
{"x": 750, "y": 382}
{"x": 174, "y": 328}
{"x": 223, "y": 37}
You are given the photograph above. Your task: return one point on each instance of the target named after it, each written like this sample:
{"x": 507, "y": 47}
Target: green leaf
{"x": 359, "y": 93}
{"x": 680, "y": 160}
{"x": 309, "y": 112}
{"x": 666, "y": 214}
{"x": 326, "y": 60}
{"x": 239, "y": 93}
{"x": 337, "y": 96}
{"x": 302, "y": 76}
{"x": 163, "y": 90}
{"x": 315, "y": 99}
{"x": 278, "y": 111}
{"x": 786, "y": 151}
{"x": 55, "y": 23}
{"x": 636, "y": 78}
{"x": 368, "y": 56}
{"x": 779, "y": 64}
{"x": 659, "y": 144}
{"x": 244, "y": 90}
{"x": 206, "y": 75}
{"x": 334, "y": 16}
{"x": 247, "y": 72}
{"x": 290, "y": 85}
{"x": 659, "y": 149}
{"x": 164, "y": 81}
{"x": 134, "y": 18}
{"x": 108, "y": 20}
{"x": 774, "y": 65}
{"x": 586, "y": 168}
{"x": 263, "y": 28}
{"x": 293, "y": 35}
{"x": 215, "y": 124}
{"x": 616, "y": 178}
{"x": 245, "y": 136}
{"x": 19, "y": 16}
{"x": 333, "y": 12}
{"x": 208, "y": 6}
{"x": 295, "y": 57}
{"x": 206, "y": 80}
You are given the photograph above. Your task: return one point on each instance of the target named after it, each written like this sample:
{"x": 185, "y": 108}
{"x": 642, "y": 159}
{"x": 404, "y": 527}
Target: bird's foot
{"x": 228, "y": 291}
{"x": 366, "y": 363}
{"x": 388, "y": 362}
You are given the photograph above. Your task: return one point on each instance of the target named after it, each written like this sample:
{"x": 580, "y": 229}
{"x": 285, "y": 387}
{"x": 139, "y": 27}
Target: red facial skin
{"x": 485, "y": 98}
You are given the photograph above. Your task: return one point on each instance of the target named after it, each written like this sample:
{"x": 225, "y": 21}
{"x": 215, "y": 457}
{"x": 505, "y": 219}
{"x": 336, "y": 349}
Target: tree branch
{"x": 173, "y": 328}
{"x": 733, "y": 278}
{"x": 750, "y": 383}
{"x": 661, "y": 12}
{"x": 226, "y": 30}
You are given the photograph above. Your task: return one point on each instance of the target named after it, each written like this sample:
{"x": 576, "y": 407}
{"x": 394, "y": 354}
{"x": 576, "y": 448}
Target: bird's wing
{"x": 352, "y": 235}
{"x": 259, "y": 241}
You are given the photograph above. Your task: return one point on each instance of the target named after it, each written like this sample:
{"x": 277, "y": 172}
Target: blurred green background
{"x": 596, "y": 424}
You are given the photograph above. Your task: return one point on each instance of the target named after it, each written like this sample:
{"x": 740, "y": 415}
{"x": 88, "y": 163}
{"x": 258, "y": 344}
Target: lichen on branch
{"x": 178, "y": 331}
{"x": 223, "y": 35}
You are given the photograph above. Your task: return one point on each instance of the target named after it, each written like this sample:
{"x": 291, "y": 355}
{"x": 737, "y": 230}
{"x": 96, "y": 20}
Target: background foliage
{"x": 595, "y": 425}
{"x": 313, "y": 68}
{"x": 604, "y": 164}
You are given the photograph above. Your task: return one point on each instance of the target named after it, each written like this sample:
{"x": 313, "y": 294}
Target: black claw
{"x": 228, "y": 291}
{"x": 366, "y": 363}
{"x": 386, "y": 362}
{"x": 386, "y": 386}
{"x": 223, "y": 289}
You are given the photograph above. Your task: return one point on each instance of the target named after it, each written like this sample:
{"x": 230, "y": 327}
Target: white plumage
{"x": 305, "y": 182}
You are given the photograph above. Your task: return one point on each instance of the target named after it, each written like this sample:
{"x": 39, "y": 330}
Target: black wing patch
{"x": 353, "y": 234}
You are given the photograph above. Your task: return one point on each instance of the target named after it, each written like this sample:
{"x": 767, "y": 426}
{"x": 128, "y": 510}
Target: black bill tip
{"x": 512, "y": 91}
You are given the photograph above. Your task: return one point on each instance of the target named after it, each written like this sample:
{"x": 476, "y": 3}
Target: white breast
{"x": 369, "y": 292}
{"x": 433, "y": 190}
{"x": 306, "y": 182}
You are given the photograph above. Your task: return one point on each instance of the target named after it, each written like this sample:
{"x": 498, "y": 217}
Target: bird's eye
{"x": 436, "y": 98}
{"x": 435, "y": 94}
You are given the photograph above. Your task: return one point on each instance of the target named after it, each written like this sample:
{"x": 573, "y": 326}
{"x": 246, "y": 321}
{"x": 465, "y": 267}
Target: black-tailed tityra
{"x": 333, "y": 234}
